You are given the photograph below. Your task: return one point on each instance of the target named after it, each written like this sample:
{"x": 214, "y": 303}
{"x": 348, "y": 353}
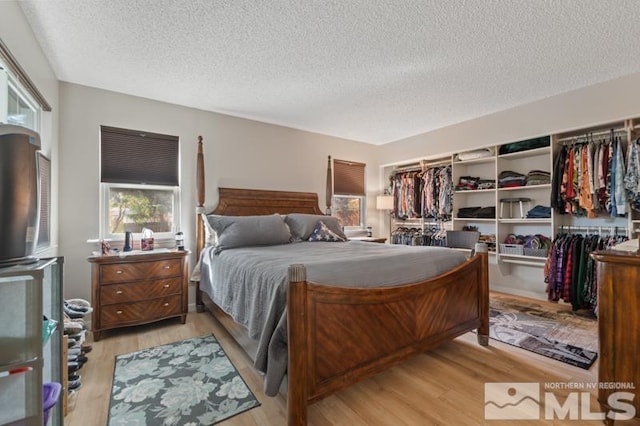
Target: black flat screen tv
{"x": 19, "y": 194}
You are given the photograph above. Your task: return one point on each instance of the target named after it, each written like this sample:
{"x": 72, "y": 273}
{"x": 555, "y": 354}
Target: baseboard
{"x": 522, "y": 293}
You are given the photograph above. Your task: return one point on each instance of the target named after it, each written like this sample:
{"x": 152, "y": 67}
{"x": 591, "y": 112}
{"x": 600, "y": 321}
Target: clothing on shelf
{"x": 469, "y": 183}
{"x": 525, "y": 145}
{"x": 570, "y": 273}
{"x": 539, "y": 212}
{"x": 538, "y": 177}
{"x": 477, "y": 212}
{"x": 511, "y": 179}
{"x": 475, "y": 154}
{"x": 590, "y": 178}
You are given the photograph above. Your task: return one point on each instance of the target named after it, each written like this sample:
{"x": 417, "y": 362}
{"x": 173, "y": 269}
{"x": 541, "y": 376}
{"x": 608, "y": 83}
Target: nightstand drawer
{"x": 135, "y": 271}
{"x": 137, "y": 291}
{"x": 149, "y": 310}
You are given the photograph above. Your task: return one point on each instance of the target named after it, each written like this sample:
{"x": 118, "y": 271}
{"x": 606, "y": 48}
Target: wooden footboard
{"x": 338, "y": 336}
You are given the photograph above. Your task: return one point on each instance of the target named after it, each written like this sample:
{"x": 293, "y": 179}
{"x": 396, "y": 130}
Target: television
{"x": 19, "y": 194}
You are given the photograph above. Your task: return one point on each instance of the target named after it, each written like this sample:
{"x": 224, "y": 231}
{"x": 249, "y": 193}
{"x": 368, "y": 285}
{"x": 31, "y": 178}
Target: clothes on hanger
{"x": 589, "y": 178}
{"x": 632, "y": 176}
{"x": 570, "y": 272}
{"x": 413, "y": 236}
{"x": 437, "y": 193}
{"x": 407, "y": 194}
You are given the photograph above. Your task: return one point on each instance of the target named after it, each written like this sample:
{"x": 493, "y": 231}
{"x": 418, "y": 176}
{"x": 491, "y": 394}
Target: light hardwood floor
{"x": 441, "y": 387}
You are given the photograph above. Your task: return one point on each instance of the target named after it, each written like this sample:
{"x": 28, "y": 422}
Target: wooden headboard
{"x": 246, "y": 202}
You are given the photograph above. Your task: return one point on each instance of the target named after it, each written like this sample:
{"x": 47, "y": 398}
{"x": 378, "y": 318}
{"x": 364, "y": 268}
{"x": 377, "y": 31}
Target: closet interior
{"x": 527, "y": 199}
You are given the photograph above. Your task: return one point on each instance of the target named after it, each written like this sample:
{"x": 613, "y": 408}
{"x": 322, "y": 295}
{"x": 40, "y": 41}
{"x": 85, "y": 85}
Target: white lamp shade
{"x": 384, "y": 202}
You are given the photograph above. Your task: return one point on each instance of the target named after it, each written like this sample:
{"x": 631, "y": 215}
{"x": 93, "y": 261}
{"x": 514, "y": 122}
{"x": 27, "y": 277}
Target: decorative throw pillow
{"x": 303, "y": 224}
{"x": 322, "y": 233}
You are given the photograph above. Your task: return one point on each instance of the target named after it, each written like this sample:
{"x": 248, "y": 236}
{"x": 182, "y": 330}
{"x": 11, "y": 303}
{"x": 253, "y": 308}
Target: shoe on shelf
{"x": 73, "y": 366}
{"x": 75, "y": 307}
{"x": 72, "y": 313}
{"x": 73, "y": 376}
{"x": 72, "y": 328}
{"x": 73, "y": 385}
{"x": 79, "y": 304}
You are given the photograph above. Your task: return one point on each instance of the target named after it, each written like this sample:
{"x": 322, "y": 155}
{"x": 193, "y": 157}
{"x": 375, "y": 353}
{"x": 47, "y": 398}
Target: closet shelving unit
{"x": 523, "y": 162}
{"x": 483, "y": 168}
{"x": 490, "y": 167}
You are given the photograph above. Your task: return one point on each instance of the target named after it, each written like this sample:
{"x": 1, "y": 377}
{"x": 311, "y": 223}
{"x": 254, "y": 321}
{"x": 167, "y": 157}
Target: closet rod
{"x": 437, "y": 163}
{"x": 610, "y": 229}
{"x": 586, "y": 135}
{"x": 408, "y": 168}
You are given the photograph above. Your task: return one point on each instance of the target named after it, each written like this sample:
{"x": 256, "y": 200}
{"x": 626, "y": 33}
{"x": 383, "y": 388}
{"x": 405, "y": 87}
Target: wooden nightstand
{"x": 138, "y": 288}
{"x": 370, "y": 239}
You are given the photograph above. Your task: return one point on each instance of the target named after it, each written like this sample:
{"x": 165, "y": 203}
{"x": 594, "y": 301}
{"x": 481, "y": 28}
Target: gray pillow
{"x": 302, "y": 225}
{"x": 243, "y": 231}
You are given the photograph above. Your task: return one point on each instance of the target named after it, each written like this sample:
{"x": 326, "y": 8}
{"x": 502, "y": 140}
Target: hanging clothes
{"x": 589, "y": 178}
{"x": 632, "y": 176}
{"x": 437, "y": 193}
{"x": 570, "y": 272}
{"x": 406, "y": 194}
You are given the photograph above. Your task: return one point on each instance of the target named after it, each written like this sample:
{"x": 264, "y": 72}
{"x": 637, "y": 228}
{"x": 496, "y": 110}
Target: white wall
{"x": 17, "y": 36}
{"x": 238, "y": 153}
{"x": 599, "y": 104}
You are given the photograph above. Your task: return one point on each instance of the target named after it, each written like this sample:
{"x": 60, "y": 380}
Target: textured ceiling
{"x": 369, "y": 70}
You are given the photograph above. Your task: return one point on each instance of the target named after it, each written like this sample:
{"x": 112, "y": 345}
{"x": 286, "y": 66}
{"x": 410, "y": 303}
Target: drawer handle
{"x": 166, "y": 286}
{"x": 167, "y": 267}
{"x": 166, "y": 304}
{"x": 118, "y": 272}
{"x": 119, "y": 292}
{"x": 119, "y": 312}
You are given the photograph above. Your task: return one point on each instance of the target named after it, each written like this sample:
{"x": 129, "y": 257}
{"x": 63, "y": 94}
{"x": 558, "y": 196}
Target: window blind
{"x": 348, "y": 178}
{"x": 45, "y": 200}
{"x": 134, "y": 157}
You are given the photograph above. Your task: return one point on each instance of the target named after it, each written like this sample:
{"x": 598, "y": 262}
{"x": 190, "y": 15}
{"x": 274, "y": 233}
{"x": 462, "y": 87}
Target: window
{"x": 349, "y": 195}
{"x": 20, "y": 101}
{"x": 140, "y": 182}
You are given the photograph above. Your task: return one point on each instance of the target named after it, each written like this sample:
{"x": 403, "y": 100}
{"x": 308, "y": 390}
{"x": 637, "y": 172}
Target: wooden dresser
{"x": 137, "y": 289}
{"x": 618, "y": 325}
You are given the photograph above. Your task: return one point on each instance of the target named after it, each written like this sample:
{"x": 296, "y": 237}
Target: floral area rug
{"x": 558, "y": 333}
{"x": 191, "y": 382}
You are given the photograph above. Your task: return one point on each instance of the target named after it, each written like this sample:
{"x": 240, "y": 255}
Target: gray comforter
{"x": 250, "y": 283}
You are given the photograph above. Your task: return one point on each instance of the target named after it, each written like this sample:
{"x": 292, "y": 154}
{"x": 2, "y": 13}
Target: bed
{"x": 337, "y": 333}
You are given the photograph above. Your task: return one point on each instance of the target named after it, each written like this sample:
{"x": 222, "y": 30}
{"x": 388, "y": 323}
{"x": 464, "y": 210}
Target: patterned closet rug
{"x": 546, "y": 329}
